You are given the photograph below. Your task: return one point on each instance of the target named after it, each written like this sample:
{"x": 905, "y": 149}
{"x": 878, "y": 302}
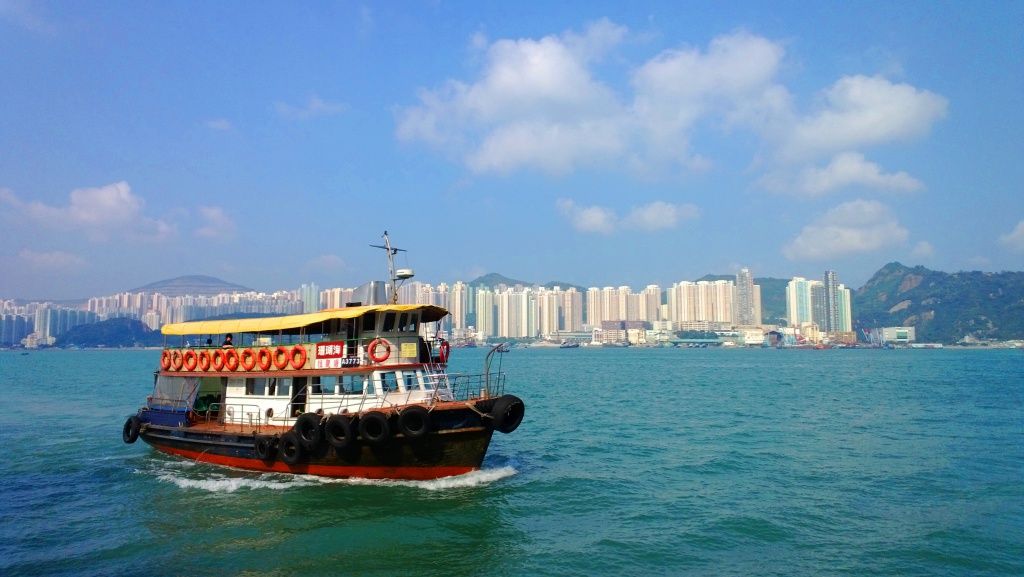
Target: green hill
{"x": 943, "y": 307}
{"x": 113, "y": 333}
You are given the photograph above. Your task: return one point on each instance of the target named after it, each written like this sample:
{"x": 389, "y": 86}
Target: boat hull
{"x": 440, "y": 453}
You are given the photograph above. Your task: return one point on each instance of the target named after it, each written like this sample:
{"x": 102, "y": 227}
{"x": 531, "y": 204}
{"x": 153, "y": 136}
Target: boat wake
{"x": 216, "y": 479}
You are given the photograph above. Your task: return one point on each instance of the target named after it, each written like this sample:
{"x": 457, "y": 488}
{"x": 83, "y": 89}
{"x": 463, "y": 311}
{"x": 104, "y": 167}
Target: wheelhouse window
{"x": 389, "y": 323}
{"x": 369, "y": 323}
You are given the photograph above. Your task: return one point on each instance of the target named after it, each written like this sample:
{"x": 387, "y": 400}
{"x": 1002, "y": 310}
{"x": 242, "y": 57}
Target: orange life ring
{"x": 445, "y": 350}
{"x": 204, "y": 360}
{"x": 165, "y": 359}
{"x": 176, "y": 360}
{"x": 217, "y": 360}
{"x": 231, "y": 359}
{"x": 264, "y": 358}
{"x": 248, "y": 359}
{"x": 298, "y": 356}
{"x": 190, "y": 360}
{"x": 373, "y": 350}
{"x": 281, "y": 358}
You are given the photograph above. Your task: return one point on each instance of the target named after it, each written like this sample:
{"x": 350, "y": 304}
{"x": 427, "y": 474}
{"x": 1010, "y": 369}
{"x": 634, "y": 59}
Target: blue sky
{"x": 597, "y": 143}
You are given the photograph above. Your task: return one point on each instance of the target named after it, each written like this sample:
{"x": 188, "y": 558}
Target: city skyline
{"x": 270, "y": 146}
{"x": 483, "y": 311}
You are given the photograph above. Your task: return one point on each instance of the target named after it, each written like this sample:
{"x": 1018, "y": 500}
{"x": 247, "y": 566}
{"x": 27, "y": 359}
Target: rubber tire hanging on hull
{"x": 414, "y": 422}
{"x": 307, "y": 426}
{"x": 264, "y": 448}
{"x": 374, "y": 427}
{"x": 507, "y": 413}
{"x": 290, "y": 448}
{"x": 338, "y": 431}
{"x": 130, "y": 432}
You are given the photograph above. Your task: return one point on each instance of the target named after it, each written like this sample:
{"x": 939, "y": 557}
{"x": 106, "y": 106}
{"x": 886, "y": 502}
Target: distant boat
{"x": 568, "y": 345}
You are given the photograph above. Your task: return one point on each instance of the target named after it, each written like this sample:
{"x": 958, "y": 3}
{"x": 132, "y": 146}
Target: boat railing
{"x": 466, "y": 387}
{"x": 233, "y": 415}
{"x": 167, "y": 403}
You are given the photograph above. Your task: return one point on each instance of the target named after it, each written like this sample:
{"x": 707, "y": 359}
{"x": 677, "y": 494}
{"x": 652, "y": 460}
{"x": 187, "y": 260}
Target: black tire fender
{"x": 508, "y": 413}
{"x": 130, "y": 431}
{"x": 414, "y": 422}
{"x": 374, "y": 427}
{"x": 264, "y": 448}
{"x": 290, "y": 448}
{"x": 307, "y": 427}
{"x": 338, "y": 431}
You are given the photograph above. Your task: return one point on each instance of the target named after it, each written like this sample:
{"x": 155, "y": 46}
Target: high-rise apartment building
{"x": 748, "y": 301}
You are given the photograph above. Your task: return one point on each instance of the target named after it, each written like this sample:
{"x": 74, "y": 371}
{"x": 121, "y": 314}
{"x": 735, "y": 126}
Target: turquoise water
{"x": 629, "y": 462}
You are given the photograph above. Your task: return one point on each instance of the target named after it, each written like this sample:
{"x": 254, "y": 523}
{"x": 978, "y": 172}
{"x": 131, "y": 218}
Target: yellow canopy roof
{"x": 293, "y": 323}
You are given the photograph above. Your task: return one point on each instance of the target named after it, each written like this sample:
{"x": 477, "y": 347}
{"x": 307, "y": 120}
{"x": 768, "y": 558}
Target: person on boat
{"x": 227, "y": 344}
{"x": 209, "y": 342}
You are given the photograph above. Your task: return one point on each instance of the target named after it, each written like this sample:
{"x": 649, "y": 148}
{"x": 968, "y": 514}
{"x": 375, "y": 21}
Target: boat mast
{"x": 391, "y": 266}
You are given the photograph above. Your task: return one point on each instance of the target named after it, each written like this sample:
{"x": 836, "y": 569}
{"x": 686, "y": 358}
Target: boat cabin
{"x": 273, "y": 369}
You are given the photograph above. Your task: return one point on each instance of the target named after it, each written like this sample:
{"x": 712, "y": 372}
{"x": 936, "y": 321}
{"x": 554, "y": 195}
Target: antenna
{"x": 401, "y": 274}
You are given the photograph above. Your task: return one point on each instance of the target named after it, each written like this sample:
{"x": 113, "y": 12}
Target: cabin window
{"x": 255, "y": 386}
{"x": 388, "y": 382}
{"x": 409, "y": 380}
{"x": 323, "y": 385}
{"x": 350, "y": 384}
{"x": 389, "y": 323}
{"x": 277, "y": 387}
{"x": 367, "y": 381}
{"x": 369, "y": 321}
{"x": 403, "y": 322}
{"x": 413, "y": 323}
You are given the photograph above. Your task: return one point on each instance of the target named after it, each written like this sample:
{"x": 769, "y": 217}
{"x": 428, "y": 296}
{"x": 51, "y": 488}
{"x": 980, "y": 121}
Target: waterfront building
{"x": 710, "y": 301}
{"x": 800, "y": 301}
{"x": 485, "y": 312}
{"x": 309, "y": 294}
{"x": 748, "y": 301}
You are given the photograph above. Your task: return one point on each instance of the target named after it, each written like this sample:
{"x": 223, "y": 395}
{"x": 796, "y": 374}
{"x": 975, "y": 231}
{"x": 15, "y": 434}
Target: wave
{"x": 212, "y": 478}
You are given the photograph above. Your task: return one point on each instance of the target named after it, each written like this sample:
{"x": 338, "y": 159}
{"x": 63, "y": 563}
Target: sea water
{"x": 629, "y": 462}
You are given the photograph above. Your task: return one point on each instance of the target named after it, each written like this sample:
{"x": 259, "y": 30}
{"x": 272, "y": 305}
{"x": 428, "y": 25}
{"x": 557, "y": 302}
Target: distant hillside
{"x": 111, "y": 333}
{"x": 193, "y": 285}
{"x": 494, "y": 279}
{"x": 773, "y": 296}
{"x": 943, "y": 307}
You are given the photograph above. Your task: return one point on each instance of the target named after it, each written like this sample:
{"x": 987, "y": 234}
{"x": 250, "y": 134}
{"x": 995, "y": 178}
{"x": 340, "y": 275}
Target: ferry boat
{"x": 359, "y": 391}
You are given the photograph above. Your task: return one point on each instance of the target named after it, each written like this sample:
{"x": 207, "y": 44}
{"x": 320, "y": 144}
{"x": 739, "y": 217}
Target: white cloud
{"x": 314, "y": 108}
{"x": 540, "y": 104}
{"x": 218, "y": 224}
{"x": 658, "y": 215}
{"x": 99, "y": 213}
{"x": 1014, "y": 239}
{"x": 679, "y": 88}
{"x": 654, "y": 216}
{"x": 588, "y": 218}
{"x": 923, "y": 249}
{"x": 853, "y": 227}
{"x": 26, "y": 14}
{"x": 52, "y": 261}
{"x": 326, "y": 262}
{"x": 219, "y": 124}
{"x": 845, "y": 169}
{"x": 535, "y": 104}
{"x": 858, "y": 111}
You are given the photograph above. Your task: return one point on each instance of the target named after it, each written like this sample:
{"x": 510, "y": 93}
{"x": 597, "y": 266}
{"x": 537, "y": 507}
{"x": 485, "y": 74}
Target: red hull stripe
{"x": 405, "y": 473}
